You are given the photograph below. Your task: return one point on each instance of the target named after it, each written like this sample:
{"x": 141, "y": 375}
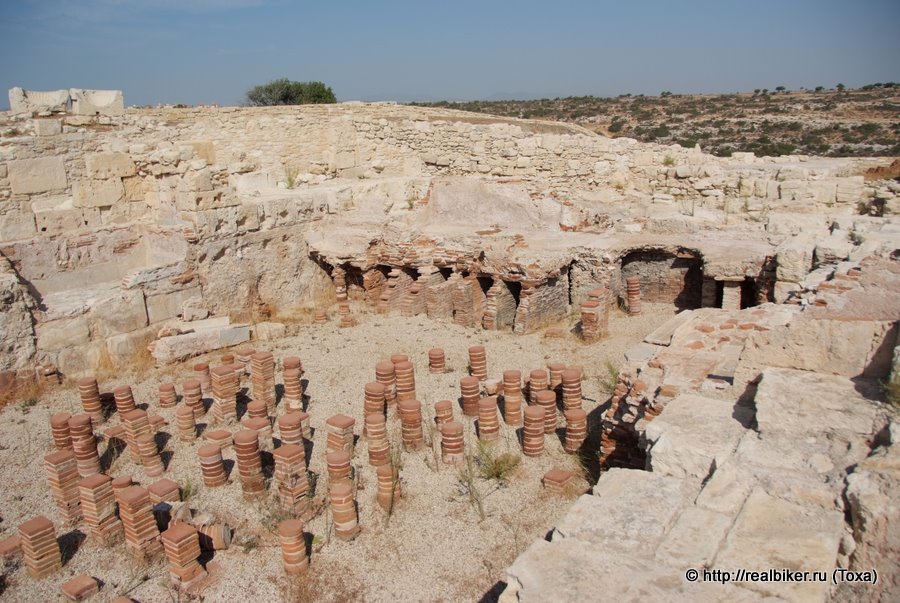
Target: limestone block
{"x": 773, "y": 533}
{"x": 682, "y": 446}
{"x": 194, "y": 309}
{"x": 47, "y": 127}
{"x": 203, "y": 149}
{"x": 783, "y": 291}
{"x": 39, "y": 175}
{"x": 62, "y": 333}
{"x": 35, "y": 101}
{"x": 727, "y": 489}
{"x": 126, "y": 347}
{"x": 269, "y": 331}
{"x": 134, "y": 188}
{"x": 97, "y": 193}
{"x": 850, "y": 190}
{"x": 122, "y": 312}
{"x": 168, "y": 305}
{"x": 196, "y": 180}
{"x": 97, "y": 102}
{"x": 178, "y": 347}
{"x": 629, "y": 510}
{"x": 16, "y": 225}
{"x": 695, "y": 538}
{"x": 794, "y": 259}
{"x": 834, "y": 248}
{"x": 101, "y": 166}
{"x": 17, "y": 345}
{"x": 82, "y": 360}
{"x": 4, "y": 172}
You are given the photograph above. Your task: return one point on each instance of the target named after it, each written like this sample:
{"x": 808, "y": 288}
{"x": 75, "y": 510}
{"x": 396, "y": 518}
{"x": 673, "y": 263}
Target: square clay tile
{"x": 36, "y": 526}
{"x": 10, "y": 547}
{"x": 80, "y": 588}
{"x": 341, "y": 421}
{"x": 557, "y": 476}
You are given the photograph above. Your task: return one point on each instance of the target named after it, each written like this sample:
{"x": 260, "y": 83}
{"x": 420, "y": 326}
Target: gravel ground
{"x": 433, "y": 547}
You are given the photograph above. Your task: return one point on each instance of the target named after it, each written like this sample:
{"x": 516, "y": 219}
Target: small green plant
{"x": 469, "y": 487}
{"x": 495, "y": 466}
{"x": 290, "y": 175}
{"x": 669, "y": 161}
{"x": 608, "y": 378}
{"x": 188, "y": 490}
{"x": 892, "y": 390}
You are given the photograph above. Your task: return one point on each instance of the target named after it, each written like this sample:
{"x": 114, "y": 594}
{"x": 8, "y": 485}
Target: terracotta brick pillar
{"x": 343, "y": 510}
{"x": 90, "y": 399}
{"x": 249, "y": 463}
{"x": 388, "y": 486}
{"x": 291, "y": 480}
{"x": 39, "y": 547}
{"x": 181, "y": 543}
{"x": 340, "y": 433}
{"x": 576, "y": 429}
{"x": 98, "y": 505}
{"x": 293, "y": 546}
{"x": 61, "y": 468}
{"x": 512, "y": 397}
{"x": 478, "y": 362}
{"x": 470, "y": 391}
{"x": 211, "y": 465}
{"x": 633, "y": 294}
{"x": 533, "y": 431}
{"x": 411, "y": 424}
{"x": 453, "y": 446}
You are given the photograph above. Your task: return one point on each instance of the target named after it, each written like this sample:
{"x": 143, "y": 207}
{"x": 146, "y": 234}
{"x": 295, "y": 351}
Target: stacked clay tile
{"x": 538, "y": 381}
{"x": 59, "y": 428}
{"x": 488, "y": 422}
{"x": 80, "y": 588}
{"x": 386, "y": 375}
{"x": 39, "y": 547}
{"x": 556, "y": 369}
{"x": 590, "y": 320}
{"x": 377, "y": 439}
{"x": 262, "y": 379}
{"x": 347, "y": 319}
{"x": 84, "y": 444}
{"x": 406, "y": 381}
{"x": 556, "y": 480}
{"x": 290, "y": 428}
{"x": 339, "y": 429}
{"x": 62, "y": 476}
{"x": 124, "y": 399}
{"x": 388, "y": 486}
{"x": 136, "y": 424}
{"x": 187, "y": 426}
{"x": 413, "y": 302}
{"x": 293, "y": 546}
{"x": 571, "y": 388}
{"x": 546, "y": 400}
{"x": 120, "y": 483}
{"x": 576, "y": 429}
{"x": 453, "y": 446}
{"x": 338, "y": 465}
{"x": 136, "y": 513}
{"x": 320, "y": 317}
{"x": 149, "y": 453}
{"x": 339, "y": 278}
{"x": 243, "y": 356}
{"x": 293, "y": 387}
{"x": 219, "y": 437}
{"x": 437, "y": 362}
{"x": 202, "y": 374}
{"x": 90, "y": 399}
{"x": 533, "y": 431}
{"x": 98, "y": 506}
{"x": 343, "y": 510}
{"x": 181, "y": 543}
{"x": 167, "y": 396}
{"x": 633, "y": 294}
{"x": 249, "y": 462}
{"x": 192, "y": 393}
{"x": 291, "y": 481}
{"x": 470, "y": 392}
{"x": 263, "y": 428}
{"x": 512, "y": 397}
{"x": 411, "y": 423}
{"x": 211, "y": 465}
{"x": 164, "y": 490}
{"x": 478, "y": 362}
{"x": 257, "y": 410}
{"x": 224, "y": 394}
{"x": 227, "y": 359}
{"x": 443, "y": 412}
{"x": 374, "y": 399}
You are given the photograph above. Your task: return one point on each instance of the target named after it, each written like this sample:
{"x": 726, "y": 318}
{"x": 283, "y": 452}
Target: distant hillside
{"x": 863, "y": 122}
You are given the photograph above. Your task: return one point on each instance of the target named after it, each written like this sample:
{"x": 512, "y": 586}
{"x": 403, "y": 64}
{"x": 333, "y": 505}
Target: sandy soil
{"x": 434, "y": 546}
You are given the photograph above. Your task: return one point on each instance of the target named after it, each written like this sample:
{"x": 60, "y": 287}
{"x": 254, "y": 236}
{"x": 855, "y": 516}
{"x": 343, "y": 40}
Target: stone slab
{"x": 39, "y": 175}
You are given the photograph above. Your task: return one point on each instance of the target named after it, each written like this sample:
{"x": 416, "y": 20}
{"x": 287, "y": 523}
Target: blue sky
{"x": 212, "y": 51}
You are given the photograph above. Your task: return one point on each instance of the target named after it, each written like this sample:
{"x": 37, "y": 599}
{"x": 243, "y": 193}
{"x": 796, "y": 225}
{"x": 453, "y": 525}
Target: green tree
{"x": 840, "y": 87}
{"x": 286, "y": 92}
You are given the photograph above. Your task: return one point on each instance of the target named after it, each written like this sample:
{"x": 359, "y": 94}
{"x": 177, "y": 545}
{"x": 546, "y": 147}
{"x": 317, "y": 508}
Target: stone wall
{"x": 665, "y": 277}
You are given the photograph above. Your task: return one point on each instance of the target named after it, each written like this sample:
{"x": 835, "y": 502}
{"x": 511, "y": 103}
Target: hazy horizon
{"x": 213, "y": 51}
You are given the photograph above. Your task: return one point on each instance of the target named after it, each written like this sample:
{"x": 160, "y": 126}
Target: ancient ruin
{"x": 375, "y": 352}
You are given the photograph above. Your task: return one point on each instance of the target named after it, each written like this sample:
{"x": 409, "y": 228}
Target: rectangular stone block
{"x": 122, "y": 312}
{"x": 39, "y": 175}
{"x": 16, "y": 225}
{"x": 59, "y": 221}
{"x": 47, "y": 127}
{"x": 168, "y": 305}
{"x": 62, "y": 333}
{"x": 98, "y": 193}
{"x": 101, "y": 166}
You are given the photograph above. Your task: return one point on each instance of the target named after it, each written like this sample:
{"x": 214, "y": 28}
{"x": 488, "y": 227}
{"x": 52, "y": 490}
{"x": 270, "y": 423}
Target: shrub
{"x": 286, "y": 92}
